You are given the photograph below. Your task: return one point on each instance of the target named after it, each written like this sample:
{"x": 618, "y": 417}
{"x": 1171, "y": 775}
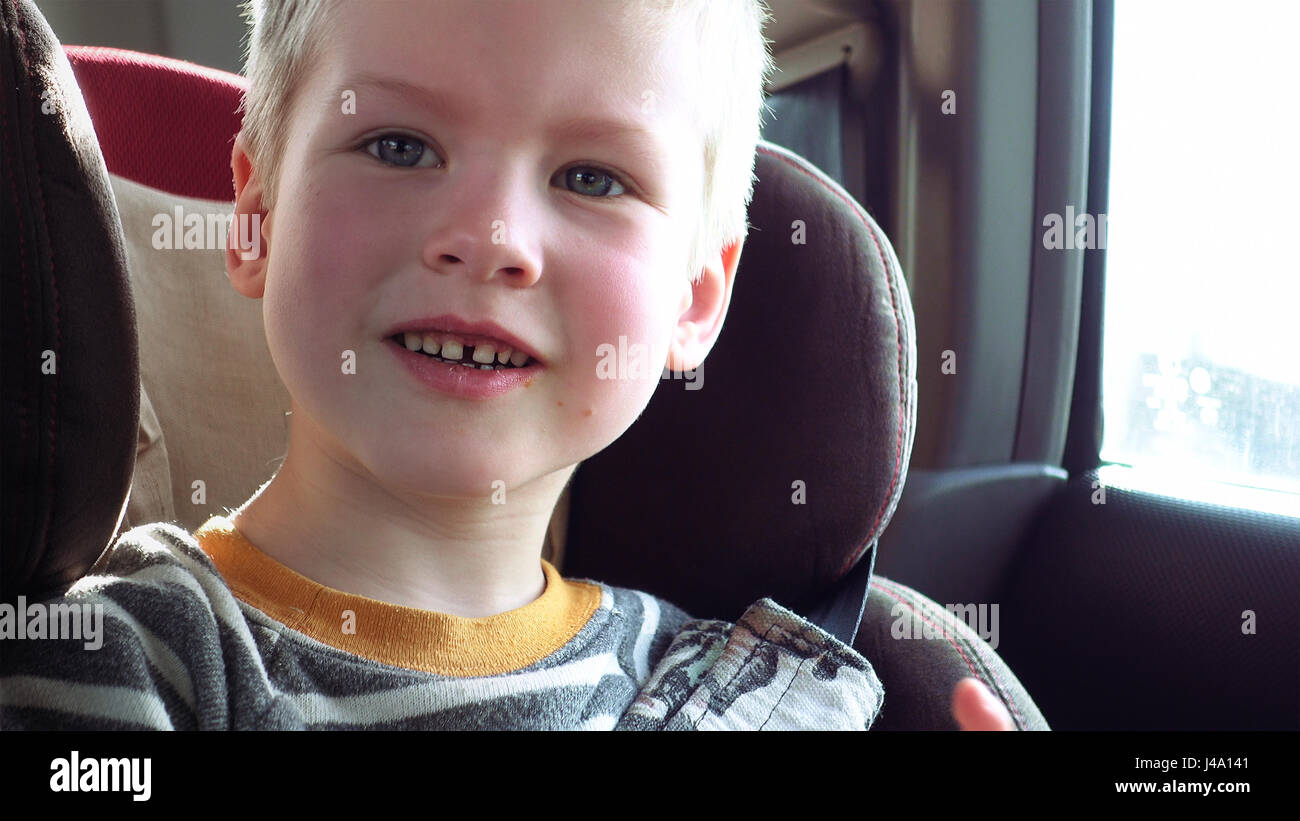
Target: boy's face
{"x": 487, "y": 211}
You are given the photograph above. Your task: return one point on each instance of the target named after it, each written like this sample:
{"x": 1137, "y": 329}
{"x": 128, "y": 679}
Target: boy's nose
{"x": 451, "y": 264}
{"x": 483, "y": 235}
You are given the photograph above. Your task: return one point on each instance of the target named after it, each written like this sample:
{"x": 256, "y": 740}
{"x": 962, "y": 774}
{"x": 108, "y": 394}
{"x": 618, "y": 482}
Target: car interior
{"x": 946, "y": 463}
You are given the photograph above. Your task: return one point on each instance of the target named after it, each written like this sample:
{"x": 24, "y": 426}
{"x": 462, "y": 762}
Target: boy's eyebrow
{"x": 579, "y": 128}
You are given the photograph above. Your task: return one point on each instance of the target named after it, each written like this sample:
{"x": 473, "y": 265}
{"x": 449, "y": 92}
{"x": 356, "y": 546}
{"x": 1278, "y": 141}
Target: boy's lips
{"x": 464, "y": 380}
{"x": 481, "y": 332}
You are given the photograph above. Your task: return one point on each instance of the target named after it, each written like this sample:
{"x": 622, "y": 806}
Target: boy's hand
{"x": 974, "y": 707}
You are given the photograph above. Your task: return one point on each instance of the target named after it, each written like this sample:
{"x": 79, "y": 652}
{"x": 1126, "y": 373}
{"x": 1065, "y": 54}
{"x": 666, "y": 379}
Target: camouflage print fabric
{"x": 772, "y": 670}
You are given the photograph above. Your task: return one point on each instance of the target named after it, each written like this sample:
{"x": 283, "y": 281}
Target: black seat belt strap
{"x": 841, "y": 611}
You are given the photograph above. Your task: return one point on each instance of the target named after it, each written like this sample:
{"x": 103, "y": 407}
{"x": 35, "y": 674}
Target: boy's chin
{"x": 458, "y": 476}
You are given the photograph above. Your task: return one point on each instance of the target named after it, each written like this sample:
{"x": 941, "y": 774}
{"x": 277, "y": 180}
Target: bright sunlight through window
{"x": 1202, "y": 330}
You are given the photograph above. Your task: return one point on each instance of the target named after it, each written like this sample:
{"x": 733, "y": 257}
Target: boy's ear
{"x": 701, "y": 318}
{"x": 249, "y": 245}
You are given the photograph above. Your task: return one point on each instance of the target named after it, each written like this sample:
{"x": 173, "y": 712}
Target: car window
{"x": 1201, "y": 372}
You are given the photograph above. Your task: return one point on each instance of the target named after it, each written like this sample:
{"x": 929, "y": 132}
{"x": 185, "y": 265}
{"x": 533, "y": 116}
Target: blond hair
{"x": 734, "y": 65}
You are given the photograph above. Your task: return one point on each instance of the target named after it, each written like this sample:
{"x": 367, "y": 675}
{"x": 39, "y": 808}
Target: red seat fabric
{"x": 161, "y": 122}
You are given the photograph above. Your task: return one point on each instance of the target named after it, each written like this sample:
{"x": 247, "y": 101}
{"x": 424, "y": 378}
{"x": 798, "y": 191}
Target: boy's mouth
{"x": 481, "y": 344}
{"x": 463, "y": 377}
{"x": 446, "y": 347}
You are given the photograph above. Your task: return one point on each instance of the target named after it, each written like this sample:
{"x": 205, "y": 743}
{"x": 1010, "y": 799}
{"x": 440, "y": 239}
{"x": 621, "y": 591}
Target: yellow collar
{"x": 393, "y": 634}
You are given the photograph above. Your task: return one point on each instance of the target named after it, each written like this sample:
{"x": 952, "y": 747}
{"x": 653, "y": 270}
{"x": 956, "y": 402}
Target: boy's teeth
{"x": 454, "y": 351}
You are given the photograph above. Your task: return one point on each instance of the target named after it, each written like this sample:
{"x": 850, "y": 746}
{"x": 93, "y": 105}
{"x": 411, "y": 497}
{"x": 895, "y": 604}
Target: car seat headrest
{"x": 71, "y": 379}
{"x": 779, "y": 467}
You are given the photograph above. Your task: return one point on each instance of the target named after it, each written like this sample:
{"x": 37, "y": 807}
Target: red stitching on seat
{"x": 878, "y": 583}
{"x": 898, "y": 334}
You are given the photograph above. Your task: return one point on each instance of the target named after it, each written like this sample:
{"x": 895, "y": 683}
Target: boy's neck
{"x": 468, "y": 558}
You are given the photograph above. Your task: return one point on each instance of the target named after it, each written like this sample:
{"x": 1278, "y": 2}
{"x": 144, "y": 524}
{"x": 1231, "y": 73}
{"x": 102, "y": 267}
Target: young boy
{"x": 459, "y": 203}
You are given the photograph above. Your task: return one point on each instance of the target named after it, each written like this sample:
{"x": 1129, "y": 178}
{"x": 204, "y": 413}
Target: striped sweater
{"x": 205, "y": 631}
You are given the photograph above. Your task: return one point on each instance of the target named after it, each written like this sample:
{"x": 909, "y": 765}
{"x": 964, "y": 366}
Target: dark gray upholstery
{"x": 920, "y": 651}
{"x": 1167, "y": 583}
{"x": 71, "y": 380}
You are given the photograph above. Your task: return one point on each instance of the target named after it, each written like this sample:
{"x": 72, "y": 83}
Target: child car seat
{"x": 787, "y": 461}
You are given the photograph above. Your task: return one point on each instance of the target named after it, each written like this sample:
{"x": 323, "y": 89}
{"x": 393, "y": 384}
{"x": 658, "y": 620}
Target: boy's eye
{"x": 402, "y": 151}
{"x": 592, "y": 182}
{"x": 411, "y": 152}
